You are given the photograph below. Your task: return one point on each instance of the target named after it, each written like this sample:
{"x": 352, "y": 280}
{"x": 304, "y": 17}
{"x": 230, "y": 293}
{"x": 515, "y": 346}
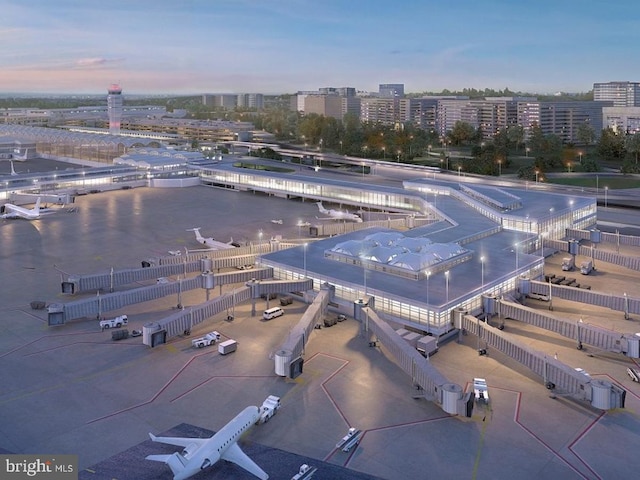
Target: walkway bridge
{"x": 583, "y": 333}
{"x": 557, "y": 377}
{"x": 425, "y": 377}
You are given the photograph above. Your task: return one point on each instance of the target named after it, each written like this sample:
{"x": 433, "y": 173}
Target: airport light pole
{"x": 515, "y": 246}
{"x": 482, "y": 270}
{"x": 537, "y": 173}
{"x": 499, "y": 168}
{"x": 606, "y": 190}
{"x": 446, "y": 279}
{"x": 305, "y": 259}
{"x": 428, "y": 276}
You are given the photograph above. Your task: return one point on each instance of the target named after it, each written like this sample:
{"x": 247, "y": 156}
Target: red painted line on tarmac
{"x": 580, "y": 437}
{"x": 195, "y": 387}
{"x": 43, "y": 338}
{"x": 516, "y": 419}
{"x": 169, "y": 382}
{"x": 156, "y": 395}
{"x": 115, "y": 344}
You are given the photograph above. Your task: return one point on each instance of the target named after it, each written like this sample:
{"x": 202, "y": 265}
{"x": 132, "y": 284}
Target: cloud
{"x": 96, "y": 62}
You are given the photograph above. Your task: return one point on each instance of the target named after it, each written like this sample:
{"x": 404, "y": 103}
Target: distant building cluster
{"x": 615, "y": 104}
{"x": 252, "y": 101}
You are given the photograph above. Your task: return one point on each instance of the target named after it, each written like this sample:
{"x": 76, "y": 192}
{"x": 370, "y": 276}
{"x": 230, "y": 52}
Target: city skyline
{"x": 238, "y": 46}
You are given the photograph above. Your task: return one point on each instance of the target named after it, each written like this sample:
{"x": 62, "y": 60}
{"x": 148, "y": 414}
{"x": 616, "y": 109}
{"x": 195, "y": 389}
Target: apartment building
{"x": 561, "y": 118}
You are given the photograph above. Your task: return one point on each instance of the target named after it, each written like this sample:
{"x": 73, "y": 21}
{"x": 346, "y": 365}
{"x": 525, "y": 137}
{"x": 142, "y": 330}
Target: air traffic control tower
{"x": 114, "y": 108}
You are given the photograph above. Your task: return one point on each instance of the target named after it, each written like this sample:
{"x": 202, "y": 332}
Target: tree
{"x": 462, "y": 132}
{"x": 515, "y": 135}
{"x": 586, "y": 134}
{"x": 611, "y": 145}
{"x": 632, "y": 144}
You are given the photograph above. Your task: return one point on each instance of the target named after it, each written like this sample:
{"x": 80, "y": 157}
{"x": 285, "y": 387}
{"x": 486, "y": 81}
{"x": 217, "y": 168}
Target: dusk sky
{"x": 281, "y": 46}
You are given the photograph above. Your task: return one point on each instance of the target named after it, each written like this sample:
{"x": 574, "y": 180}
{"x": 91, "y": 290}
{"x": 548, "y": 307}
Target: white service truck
{"x": 568, "y": 263}
{"x": 586, "y": 267}
{"x": 480, "y": 390}
{"x": 208, "y": 339}
{"x": 114, "y": 322}
{"x": 269, "y": 408}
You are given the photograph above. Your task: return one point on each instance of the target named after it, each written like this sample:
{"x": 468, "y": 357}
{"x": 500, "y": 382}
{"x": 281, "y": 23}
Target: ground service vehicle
{"x": 114, "y": 322}
{"x": 586, "y": 267}
{"x": 227, "y": 347}
{"x": 568, "y": 263}
{"x": 353, "y": 431}
{"x": 305, "y": 472}
{"x": 120, "y": 334}
{"x": 272, "y": 313}
{"x": 480, "y": 390}
{"x": 286, "y": 300}
{"x": 269, "y": 408}
{"x": 205, "y": 341}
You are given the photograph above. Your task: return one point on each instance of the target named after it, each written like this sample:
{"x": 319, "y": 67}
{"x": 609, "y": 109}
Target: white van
{"x": 272, "y": 313}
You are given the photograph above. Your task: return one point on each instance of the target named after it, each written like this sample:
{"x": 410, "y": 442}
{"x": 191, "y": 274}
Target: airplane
{"x": 14, "y": 211}
{"x": 201, "y": 453}
{"x": 338, "y": 214}
{"x": 210, "y": 242}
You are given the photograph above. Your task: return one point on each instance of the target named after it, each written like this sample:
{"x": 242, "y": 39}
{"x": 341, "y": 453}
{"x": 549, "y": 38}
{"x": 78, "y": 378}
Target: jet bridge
{"x": 449, "y": 396}
{"x": 288, "y": 358}
{"x": 181, "y": 322}
{"x": 94, "y": 306}
{"x": 557, "y": 377}
{"x": 583, "y": 333}
{"x": 151, "y": 270}
{"x": 621, "y": 303}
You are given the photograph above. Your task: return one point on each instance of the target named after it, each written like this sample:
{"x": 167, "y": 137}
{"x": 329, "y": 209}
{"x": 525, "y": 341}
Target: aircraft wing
{"x": 235, "y": 454}
{"x": 179, "y": 441}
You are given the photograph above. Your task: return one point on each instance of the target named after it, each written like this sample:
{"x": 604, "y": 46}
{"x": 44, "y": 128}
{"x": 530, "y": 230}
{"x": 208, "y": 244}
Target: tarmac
{"x": 72, "y": 390}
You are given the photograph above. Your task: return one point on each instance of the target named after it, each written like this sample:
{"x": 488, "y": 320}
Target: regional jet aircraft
{"x": 210, "y": 242}
{"x": 201, "y": 453}
{"x": 338, "y": 214}
{"x": 10, "y": 210}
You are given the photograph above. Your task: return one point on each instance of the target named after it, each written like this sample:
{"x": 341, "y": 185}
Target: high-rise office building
{"x": 391, "y": 90}
{"x": 114, "y": 108}
{"x": 622, "y": 94}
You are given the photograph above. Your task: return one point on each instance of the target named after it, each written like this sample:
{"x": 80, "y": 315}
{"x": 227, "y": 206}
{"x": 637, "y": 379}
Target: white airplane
{"x": 210, "y": 242}
{"x": 339, "y": 214}
{"x": 14, "y": 211}
{"x": 201, "y": 453}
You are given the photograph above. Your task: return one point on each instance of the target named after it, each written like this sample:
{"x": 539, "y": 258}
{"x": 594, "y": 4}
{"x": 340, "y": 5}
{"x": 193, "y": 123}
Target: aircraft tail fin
{"x": 13, "y": 170}
{"x": 175, "y": 461}
{"x": 36, "y": 209}
{"x": 321, "y": 208}
{"x": 199, "y": 237}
